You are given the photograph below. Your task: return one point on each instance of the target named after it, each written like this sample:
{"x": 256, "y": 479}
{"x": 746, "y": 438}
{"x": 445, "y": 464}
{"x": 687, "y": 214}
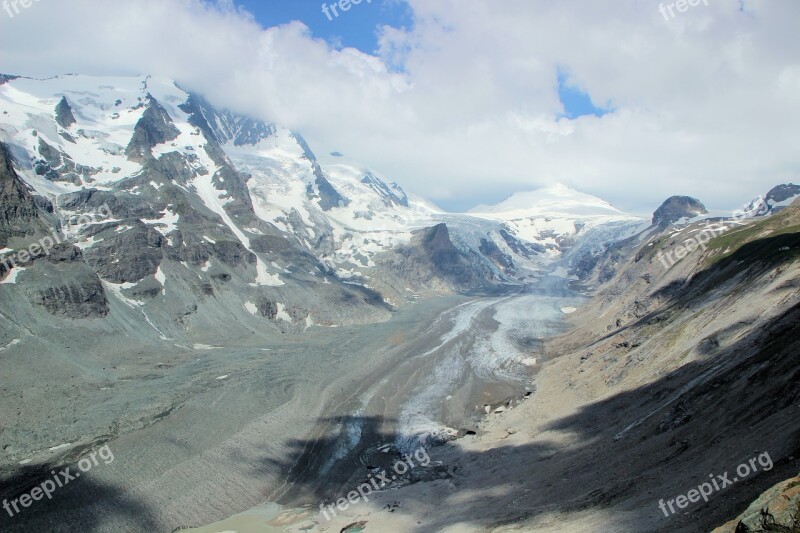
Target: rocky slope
{"x": 777, "y": 509}
{"x": 667, "y": 378}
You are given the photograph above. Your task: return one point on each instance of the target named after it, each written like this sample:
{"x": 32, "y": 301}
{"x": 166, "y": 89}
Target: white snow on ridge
{"x": 346, "y": 238}
{"x": 543, "y": 215}
{"x": 106, "y": 110}
{"x": 213, "y": 199}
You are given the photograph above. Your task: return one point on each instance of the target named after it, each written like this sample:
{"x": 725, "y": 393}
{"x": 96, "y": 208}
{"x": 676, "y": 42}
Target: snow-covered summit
{"x": 555, "y": 200}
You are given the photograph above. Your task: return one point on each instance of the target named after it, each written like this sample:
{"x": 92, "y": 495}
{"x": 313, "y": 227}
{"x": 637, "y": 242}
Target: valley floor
{"x": 207, "y": 432}
{"x": 553, "y": 436}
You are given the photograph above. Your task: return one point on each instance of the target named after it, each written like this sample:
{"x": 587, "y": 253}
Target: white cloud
{"x": 707, "y": 103}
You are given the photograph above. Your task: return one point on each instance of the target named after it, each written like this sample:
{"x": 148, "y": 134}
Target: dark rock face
{"x": 233, "y": 253}
{"x": 676, "y": 208}
{"x": 64, "y": 116}
{"x": 225, "y": 126}
{"x": 392, "y": 194}
{"x": 129, "y": 255}
{"x": 525, "y": 249}
{"x": 328, "y": 196}
{"x": 267, "y": 308}
{"x": 18, "y": 212}
{"x": 43, "y": 204}
{"x": 234, "y": 184}
{"x": 321, "y": 189}
{"x": 121, "y": 205}
{"x": 154, "y": 128}
{"x": 5, "y": 78}
{"x": 248, "y": 132}
{"x": 307, "y": 153}
{"x": 432, "y": 260}
{"x": 781, "y": 193}
{"x": 220, "y": 128}
{"x": 65, "y": 285}
{"x": 492, "y": 251}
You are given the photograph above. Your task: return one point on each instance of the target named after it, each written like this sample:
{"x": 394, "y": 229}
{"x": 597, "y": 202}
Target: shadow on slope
{"x": 83, "y": 504}
{"x": 627, "y": 451}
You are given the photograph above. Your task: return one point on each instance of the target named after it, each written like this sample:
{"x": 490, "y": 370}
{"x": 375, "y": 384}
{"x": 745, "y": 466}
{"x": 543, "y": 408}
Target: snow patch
{"x": 11, "y": 279}
{"x": 282, "y": 314}
{"x": 251, "y": 308}
{"x": 10, "y": 344}
{"x": 197, "y": 346}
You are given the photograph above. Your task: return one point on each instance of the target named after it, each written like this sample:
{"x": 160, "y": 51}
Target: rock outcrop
{"x": 64, "y": 116}
{"x": 19, "y": 215}
{"x": 677, "y": 208}
{"x": 775, "y": 511}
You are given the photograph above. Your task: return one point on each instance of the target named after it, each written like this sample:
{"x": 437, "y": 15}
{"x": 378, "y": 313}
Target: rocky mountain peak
{"x": 677, "y": 208}
{"x": 64, "y": 116}
{"x": 782, "y": 196}
{"x": 154, "y": 128}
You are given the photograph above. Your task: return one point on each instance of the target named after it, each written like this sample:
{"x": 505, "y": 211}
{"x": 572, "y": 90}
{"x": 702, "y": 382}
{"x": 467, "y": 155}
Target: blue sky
{"x": 471, "y": 111}
{"x": 576, "y": 102}
{"x": 357, "y": 27}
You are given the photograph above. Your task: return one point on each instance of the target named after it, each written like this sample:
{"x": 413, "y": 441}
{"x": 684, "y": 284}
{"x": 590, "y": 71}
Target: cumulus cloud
{"x": 463, "y": 106}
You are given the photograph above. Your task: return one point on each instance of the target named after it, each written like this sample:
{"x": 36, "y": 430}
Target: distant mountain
{"x": 220, "y": 222}
{"x": 557, "y": 219}
{"x": 678, "y": 208}
{"x": 554, "y": 201}
{"x": 782, "y": 196}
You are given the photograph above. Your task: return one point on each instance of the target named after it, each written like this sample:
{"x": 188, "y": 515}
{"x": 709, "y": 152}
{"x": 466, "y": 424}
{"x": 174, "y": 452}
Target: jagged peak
{"x": 153, "y": 128}
{"x": 64, "y": 116}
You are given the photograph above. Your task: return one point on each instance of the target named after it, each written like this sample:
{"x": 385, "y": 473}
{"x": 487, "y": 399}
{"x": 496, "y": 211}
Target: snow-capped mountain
{"x": 781, "y": 197}
{"x": 216, "y": 215}
{"x": 553, "y": 217}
